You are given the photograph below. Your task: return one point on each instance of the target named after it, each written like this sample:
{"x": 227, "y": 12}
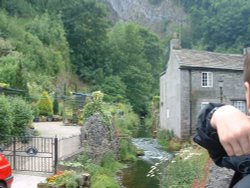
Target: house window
{"x": 241, "y": 105}
{"x": 207, "y": 79}
{"x": 203, "y": 104}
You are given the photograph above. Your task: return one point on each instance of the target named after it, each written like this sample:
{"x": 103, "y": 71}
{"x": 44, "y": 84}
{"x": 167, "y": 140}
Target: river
{"x": 135, "y": 176}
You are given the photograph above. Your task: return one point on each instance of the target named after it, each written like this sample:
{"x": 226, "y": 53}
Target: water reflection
{"x": 135, "y": 176}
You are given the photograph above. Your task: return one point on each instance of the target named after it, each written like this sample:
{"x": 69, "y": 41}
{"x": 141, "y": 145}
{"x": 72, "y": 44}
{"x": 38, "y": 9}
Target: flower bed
{"x": 66, "y": 179}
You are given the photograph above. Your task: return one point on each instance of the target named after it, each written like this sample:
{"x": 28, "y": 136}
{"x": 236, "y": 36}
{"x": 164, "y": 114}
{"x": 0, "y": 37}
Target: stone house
{"x": 194, "y": 78}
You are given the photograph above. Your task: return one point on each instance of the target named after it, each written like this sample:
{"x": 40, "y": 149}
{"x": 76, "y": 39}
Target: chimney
{"x": 175, "y": 43}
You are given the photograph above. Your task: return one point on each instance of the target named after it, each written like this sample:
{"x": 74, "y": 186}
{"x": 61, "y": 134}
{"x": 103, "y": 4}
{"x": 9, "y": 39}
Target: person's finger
{"x": 245, "y": 145}
{"x": 228, "y": 148}
{"x": 237, "y": 150}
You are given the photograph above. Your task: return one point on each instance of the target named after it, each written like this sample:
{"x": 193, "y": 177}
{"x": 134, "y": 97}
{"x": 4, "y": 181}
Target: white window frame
{"x": 206, "y": 79}
{"x": 241, "y": 105}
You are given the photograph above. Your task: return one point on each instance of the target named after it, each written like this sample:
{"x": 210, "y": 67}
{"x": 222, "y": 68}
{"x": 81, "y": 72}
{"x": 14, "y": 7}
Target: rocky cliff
{"x": 160, "y": 18}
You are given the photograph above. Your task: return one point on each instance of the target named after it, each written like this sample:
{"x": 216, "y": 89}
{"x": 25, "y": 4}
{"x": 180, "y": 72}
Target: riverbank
{"x": 185, "y": 168}
{"x": 219, "y": 177}
{"x": 213, "y": 176}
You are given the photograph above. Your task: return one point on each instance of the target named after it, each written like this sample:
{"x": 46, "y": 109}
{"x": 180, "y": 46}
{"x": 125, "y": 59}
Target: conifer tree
{"x": 45, "y": 105}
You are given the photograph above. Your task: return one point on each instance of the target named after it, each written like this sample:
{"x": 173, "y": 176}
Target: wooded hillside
{"x": 44, "y": 41}
{"x": 221, "y": 25}
{"x": 44, "y": 44}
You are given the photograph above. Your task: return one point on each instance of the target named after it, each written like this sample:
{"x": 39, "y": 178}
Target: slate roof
{"x": 204, "y": 59}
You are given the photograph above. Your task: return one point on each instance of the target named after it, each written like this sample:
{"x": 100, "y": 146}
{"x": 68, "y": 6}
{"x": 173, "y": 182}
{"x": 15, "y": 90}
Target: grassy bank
{"x": 186, "y": 169}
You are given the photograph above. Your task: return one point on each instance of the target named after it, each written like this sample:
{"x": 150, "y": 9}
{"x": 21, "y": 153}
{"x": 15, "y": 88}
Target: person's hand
{"x": 233, "y": 128}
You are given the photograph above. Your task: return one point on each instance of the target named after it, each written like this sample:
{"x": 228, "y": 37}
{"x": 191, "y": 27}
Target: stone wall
{"x": 170, "y": 107}
{"x": 98, "y": 139}
{"x": 233, "y": 90}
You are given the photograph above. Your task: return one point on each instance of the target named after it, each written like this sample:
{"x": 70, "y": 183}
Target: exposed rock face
{"x": 98, "y": 139}
{"x": 159, "y": 18}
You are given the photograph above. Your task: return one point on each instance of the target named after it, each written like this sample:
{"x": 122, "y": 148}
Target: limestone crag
{"x": 160, "y": 18}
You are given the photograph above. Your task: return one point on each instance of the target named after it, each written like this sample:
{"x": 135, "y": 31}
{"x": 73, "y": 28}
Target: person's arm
{"x": 229, "y": 125}
{"x": 233, "y": 128}
{"x": 206, "y": 136}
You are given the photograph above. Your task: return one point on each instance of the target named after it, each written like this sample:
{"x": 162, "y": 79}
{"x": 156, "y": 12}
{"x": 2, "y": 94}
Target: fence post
{"x": 14, "y": 153}
{"x": 56, "y": 153}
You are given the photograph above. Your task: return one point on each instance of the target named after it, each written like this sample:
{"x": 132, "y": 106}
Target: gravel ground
{"x": 219, "y": 177}
{"x": 52, "y": 129}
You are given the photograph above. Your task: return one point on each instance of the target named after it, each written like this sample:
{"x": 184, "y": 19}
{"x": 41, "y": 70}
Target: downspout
{"x": 190, "y": 102}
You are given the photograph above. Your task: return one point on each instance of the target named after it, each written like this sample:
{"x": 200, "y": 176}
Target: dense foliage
{"x": 22, "y": 116}
{"x": 136, "y": 59}
{"x": 6, "y": 118}
{"x": 43, "y": 40}
{"x": 221, "y": 25}
{"x": 15, "y": 116}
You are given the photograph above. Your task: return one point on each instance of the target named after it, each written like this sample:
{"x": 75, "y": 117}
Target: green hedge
{"x": 22, "y": 116}
{"x": 15, "y": 116}
{"x": 6, "y": 116}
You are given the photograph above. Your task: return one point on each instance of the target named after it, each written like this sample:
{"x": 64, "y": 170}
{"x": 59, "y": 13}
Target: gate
{"x": 35, "y": 154}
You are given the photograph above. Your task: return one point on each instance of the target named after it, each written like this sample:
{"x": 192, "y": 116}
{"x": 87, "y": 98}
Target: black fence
{"x": 35, "y": 154}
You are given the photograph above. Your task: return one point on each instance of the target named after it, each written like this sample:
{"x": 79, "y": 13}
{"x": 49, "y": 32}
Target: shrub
{"x": 110, "y": 164}
{"x": 102, "y": 175}
{"x": 35, "y": 110}
{"x": 126, "y": 121}
{"x": 104, "y": 181}
{"x": 165, "y": 137}
{"x": 22, "y": 116}
{"x": 127, "y": 150}
{"x": 45, "y": 105}
{"x": 188, "y": 165}
{"x": 67, "y": 179}
{"x": 55, "y": 105}
{"x": 95, "y": 106}
{"x": 6, "y": 118}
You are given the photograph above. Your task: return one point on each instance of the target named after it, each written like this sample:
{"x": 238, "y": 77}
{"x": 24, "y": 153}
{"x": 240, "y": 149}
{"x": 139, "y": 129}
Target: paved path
{"x": 46, "y": 129}
{"x": 219, "y": 177}
{"x": 52, "y": 129}
{"x": 26, "y": 181}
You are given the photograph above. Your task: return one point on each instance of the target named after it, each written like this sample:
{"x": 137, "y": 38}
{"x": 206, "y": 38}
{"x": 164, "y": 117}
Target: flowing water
{"x": 135, "y": 176}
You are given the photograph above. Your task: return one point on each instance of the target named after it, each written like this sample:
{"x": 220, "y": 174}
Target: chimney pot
{"x": 175, "y": 44}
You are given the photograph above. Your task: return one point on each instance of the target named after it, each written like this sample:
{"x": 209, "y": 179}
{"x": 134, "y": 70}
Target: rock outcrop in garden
{"x": 98, "y": 138}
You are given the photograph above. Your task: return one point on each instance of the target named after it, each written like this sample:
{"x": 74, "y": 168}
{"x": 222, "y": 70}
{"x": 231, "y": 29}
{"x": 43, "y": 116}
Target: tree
{"x": 135, "y": 53}
{"x": 86, "y": 26}
{"x": 6, "y": 117}
{"x": 55, "y": 105}
{"x": 22, "y": 116}
{"x": 218, "y": 25}
{"x": 45, "y": 105}
{"x": 50, "y": 31}
{"x": 114, "y": 89}
{"x": 21, "y": 82}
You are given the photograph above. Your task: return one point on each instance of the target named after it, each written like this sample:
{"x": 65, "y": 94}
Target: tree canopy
{"x": 43, "y": 39}
{"x": 221, "y": 25}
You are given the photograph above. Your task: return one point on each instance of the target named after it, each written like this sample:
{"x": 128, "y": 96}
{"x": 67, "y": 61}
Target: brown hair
{"x": 246, "y": 72}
